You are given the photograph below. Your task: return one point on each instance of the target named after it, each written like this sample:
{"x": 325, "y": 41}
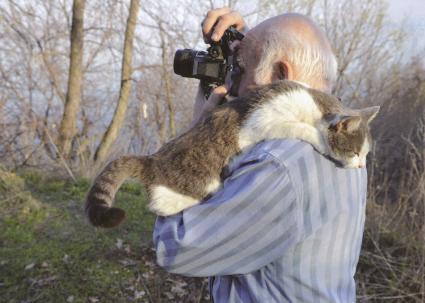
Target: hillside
{"x": 49, "y": 252}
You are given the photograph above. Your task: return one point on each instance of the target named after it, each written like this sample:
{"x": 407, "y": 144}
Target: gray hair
{"x": 311, "y": 60}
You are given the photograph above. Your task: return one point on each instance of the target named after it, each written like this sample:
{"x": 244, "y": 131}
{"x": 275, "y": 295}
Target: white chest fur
{"x": 292, "y": 115}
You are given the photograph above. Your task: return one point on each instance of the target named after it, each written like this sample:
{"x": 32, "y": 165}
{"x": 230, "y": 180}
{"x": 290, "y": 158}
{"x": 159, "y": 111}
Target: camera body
{"x": 213, "y": 66}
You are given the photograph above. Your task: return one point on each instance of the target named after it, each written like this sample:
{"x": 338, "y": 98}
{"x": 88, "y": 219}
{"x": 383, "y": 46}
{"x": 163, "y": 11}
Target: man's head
{"x": 289, "y": 46}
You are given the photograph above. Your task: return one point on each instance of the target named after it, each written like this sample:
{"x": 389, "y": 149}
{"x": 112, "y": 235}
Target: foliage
{"x": 392, "y": 266}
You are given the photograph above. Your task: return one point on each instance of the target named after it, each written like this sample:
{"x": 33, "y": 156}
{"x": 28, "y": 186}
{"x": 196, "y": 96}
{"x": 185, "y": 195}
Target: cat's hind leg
{"x": 166, "y": 202}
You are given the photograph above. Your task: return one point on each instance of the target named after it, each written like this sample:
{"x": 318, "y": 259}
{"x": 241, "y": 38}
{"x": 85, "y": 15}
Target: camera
{"x": 213, "y": 66}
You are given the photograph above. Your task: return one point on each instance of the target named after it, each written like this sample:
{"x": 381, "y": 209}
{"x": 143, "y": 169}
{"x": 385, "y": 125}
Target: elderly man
{"x": 287, "y": 224}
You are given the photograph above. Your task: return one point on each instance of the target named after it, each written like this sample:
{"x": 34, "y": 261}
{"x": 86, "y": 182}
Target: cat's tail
{"x": 101, "y": 195}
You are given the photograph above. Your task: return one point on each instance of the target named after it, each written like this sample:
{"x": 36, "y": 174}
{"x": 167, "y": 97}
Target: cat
{"x": 189, "y": 168}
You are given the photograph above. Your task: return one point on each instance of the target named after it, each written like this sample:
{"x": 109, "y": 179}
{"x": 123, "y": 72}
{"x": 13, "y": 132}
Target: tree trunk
{"x": 68, "y": 127}
{"x": 160, "y": 121}
{"x": 114, "y": 127}
{"x": 167, "y": 83}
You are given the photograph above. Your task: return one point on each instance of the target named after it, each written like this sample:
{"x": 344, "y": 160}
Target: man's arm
{"x": 214, "y": 25}
{"x": 246, "y": 225}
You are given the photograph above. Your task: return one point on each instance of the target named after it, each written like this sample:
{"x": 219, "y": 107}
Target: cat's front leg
{"x": 318, "y": 140}
{"x": 312, "y": 135}
{"x": 301, "y": 131}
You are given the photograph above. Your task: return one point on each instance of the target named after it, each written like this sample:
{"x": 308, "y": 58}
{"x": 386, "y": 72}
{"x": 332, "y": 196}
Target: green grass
{"x": 49, "y": 252}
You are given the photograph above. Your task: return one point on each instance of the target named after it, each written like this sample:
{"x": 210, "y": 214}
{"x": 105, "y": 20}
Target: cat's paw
{"x": 322, "y": 146}
{"x": 166, "y": 202}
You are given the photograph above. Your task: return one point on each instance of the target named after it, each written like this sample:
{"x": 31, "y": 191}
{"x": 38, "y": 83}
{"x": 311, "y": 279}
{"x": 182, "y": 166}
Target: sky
{"x": 414, "y": 9}
{"x": 413, "y": 13}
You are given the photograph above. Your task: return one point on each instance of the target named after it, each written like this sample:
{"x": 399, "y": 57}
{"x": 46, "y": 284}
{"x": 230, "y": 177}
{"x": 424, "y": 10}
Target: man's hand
{"x": 222, "y": 18}
{"x": 225, "y": 18}
{"x": 203, "y": 107}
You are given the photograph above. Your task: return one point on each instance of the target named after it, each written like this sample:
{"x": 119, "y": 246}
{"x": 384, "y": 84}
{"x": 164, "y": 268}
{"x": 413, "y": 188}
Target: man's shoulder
{"x": 294, "y": 155}
{"x": 308, "y": 168}
{"x": 283, "y": 152}
{"x": 286, "y": 151}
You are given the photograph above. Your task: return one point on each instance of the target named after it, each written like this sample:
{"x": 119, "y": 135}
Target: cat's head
{"x": 349, "y": 136}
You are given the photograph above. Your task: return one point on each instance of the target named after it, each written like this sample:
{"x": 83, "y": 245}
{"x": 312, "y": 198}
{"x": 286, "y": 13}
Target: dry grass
{"x": 392, "y": 264}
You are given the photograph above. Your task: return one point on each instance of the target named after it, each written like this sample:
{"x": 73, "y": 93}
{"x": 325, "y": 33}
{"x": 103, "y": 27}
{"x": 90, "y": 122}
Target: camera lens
{"x": 183, "y": 62}
{"x": 191, "y": 63}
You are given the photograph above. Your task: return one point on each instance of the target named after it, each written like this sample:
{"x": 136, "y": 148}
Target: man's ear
{"x": 282, "y": 70}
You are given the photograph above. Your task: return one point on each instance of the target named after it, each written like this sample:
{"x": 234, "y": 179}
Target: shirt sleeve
{"x": 250, "y": 222}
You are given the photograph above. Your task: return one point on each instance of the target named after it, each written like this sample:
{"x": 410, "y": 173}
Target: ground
{"x": 50, "y": 253}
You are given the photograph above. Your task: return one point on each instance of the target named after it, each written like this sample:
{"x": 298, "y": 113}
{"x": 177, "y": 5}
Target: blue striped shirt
{"x": 286, "y": 226}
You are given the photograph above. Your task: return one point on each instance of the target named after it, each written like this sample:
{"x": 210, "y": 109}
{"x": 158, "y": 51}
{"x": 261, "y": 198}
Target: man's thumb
{"x": 218, "y": 94}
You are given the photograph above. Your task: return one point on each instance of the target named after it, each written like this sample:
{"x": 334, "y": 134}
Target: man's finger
{"x": 211, "y": 19}
{"x": 226, "y": 21}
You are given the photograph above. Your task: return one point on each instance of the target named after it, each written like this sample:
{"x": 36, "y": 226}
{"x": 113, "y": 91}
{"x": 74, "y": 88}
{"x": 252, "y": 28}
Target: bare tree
{"x": 364, "y": 44}
{"x": 126, "y": 70}
{"x": 167, "y": 83}
{"x": 68, "y": 128}
{"x": 35, "y": 41}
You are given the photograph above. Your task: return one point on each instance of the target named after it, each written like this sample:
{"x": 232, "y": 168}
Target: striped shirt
{"x": 286, "y": 226}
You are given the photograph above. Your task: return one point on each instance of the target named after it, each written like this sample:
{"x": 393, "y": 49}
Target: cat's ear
{"x": 345, "y": 123}
{"x": 369, "y": 113}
